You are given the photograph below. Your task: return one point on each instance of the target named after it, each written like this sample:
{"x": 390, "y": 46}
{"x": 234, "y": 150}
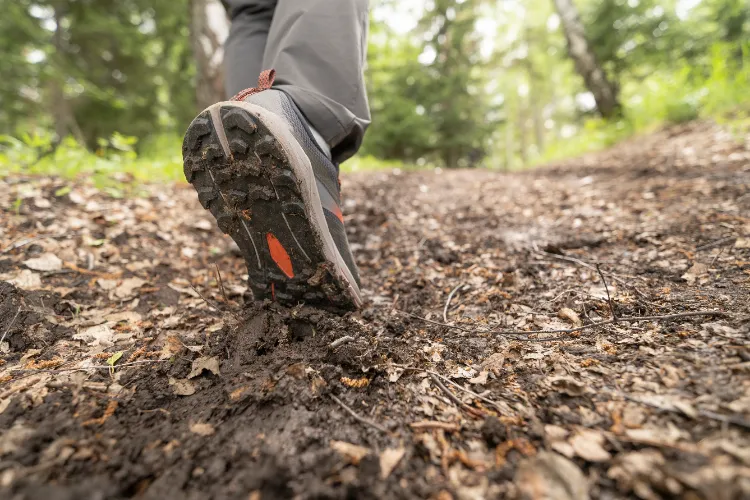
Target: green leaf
{"x": 63, "y": 191}
{"x": 112, "y": 360}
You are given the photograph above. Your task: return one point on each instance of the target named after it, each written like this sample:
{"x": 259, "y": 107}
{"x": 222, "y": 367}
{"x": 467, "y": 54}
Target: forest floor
{"x": 129, "y": 370}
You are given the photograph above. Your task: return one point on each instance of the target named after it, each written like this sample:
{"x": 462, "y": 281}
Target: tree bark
{"x": 585, "y": 61}
{"x": 208, "y": 30}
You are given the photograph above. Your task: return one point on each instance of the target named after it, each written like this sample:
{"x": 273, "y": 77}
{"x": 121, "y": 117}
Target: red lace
{"x": 265, "y": 80}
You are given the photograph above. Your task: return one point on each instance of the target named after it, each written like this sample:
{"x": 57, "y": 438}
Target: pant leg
{"x": 246, "y": 43}
{"x": 318, "y": 49}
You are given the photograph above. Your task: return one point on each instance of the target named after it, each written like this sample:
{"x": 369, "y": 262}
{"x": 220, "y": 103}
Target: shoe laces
{"x": 265, "y": 81}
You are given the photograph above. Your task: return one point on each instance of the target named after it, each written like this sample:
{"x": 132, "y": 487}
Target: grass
{"x": 114, "y": 166}
{"x": 719, "y": 90}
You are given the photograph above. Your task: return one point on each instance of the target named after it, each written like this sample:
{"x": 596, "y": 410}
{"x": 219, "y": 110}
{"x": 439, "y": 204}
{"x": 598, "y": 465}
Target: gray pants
{"x": 318, "y": 49}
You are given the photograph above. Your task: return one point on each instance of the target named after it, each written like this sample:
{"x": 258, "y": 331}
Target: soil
{"x": 135, "y": 363}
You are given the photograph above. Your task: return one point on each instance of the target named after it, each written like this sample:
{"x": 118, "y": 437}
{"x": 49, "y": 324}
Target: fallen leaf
{"x": 480, "y": 379}
{"x": 550, "y": 476}
{"x": 588, "y": 445}
{"x": 389, "y": 458}
{"x": 182, "y": 387}
{"x": 27, "y": 280}
{"x": 353, "y": 452}
{"x": 202, "y": 429}
{"x": 101, "y": 335}
{"x": 125, "y": 316}
{"x": 696, "y": 271}
{"x": 128, "y": 286}
{"x": 494, "y": 363}
{"x": 570, "y": 315}
{"x": 394, "y": 373}
{"x": 204, "y": 363}
{"x": 568, "y": 385}
{"x": 112, "y": 360}
{"x": 45, "y": 262}
{"x": 106, "y": 284}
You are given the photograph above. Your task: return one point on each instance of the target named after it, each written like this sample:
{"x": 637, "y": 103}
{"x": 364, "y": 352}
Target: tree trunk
{"x": 208, "y": 30}
{"x": 62, "y": 111}
{"x": 585, "y": 61}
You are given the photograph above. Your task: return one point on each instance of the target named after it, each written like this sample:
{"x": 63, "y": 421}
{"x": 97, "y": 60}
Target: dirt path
{"x": 213, "y": 396}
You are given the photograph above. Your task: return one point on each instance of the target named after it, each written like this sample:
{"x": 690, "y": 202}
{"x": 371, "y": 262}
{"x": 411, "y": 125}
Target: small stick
{"x": 210, "y": 304}
{"x": 606, "y": 288}
{"x": 95, "y": 367}
{"x": 341, "y": 341}
{"x": 11, "y": 324}
{"x": 454, "y": 384}
{"x": 455, "y": 399}
{"x": 427, "y": 424}
{"x": 448, "y": 302}
{"x": 589, "y": 266}
{"x": 623, "y": 319}
{"x": 729, "y": 240}
{"x": 357, "y": 417}
{"x": 221, "y": 283}
{"x": 728, "y": 419}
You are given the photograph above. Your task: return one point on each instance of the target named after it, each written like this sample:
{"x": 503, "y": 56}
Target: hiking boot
{"x": 258, "y": 169}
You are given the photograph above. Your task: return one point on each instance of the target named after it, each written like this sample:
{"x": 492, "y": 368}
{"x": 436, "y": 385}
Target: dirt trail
{"x": 213, "y": 396}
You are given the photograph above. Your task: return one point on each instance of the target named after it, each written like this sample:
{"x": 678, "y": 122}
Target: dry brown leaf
{"x": 45, "y": 262}
{"x": 588, "y": 443}
{"x": 128, "y": 286}
{"x": 182, "y": 387}
{"x": 27, "y": 280}
{"x": 210, "y": 364}
{"x": 550, "y": 476}
{"x": 202, "y": 429}
{"x": 570, "y": 315}
{"x": 389, "y": 458}
{"x": 568, "y": 385}
{"x": 354, "y": 453}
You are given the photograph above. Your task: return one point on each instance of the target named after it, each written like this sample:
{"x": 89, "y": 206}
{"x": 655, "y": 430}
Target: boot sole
{"x": 253, "y": 176}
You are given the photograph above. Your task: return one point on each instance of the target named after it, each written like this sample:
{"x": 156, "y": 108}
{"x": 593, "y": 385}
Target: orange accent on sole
{"x": 338, "y": 214}
{"x": 280, "y": 255}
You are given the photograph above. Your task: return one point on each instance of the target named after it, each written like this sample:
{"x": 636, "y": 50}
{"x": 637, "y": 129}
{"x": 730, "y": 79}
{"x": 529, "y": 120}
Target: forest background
{"x": 106, "y": 88}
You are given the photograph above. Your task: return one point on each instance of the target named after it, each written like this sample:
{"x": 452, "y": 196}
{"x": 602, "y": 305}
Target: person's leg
{"x": 318, "y": 49}
{"x": 246, "y": 44}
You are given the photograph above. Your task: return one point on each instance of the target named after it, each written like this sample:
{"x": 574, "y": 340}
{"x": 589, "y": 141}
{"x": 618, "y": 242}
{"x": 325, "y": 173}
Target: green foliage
{"x": 111, "y": 167}
{"x": 472, "y": 82}
{"x": 94, "y": 67}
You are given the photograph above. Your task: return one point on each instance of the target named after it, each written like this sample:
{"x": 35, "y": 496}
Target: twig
{"x": 94, "y": 367}
{"x": 454, "y": 398}
{"x": 589, "y": 266}
{"x": 210, "y": 304}
{"x": 11, "y": 324}
{"x": 623, "y": 319}
{"x": 426, "y": 424}
{"x": 357, "y": 417}
{"x": 717, "y": 257}
{"x": 416, "y": 316}
{"x": 341, "y": 341}
{"x": 606, "y": 289}
{"x": 728, "y": 419}
{"x": 454, "y": 384}
{"x": 448, "y": 302}
{"x": 729, "y": 240}
{"x": 221, "y": 284}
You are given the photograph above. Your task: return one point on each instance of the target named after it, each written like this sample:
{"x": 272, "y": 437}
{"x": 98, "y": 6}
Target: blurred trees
{"x": 468, "y": 82}
{"x": 585, "y": 59}
{"x": 93, "y": 67}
